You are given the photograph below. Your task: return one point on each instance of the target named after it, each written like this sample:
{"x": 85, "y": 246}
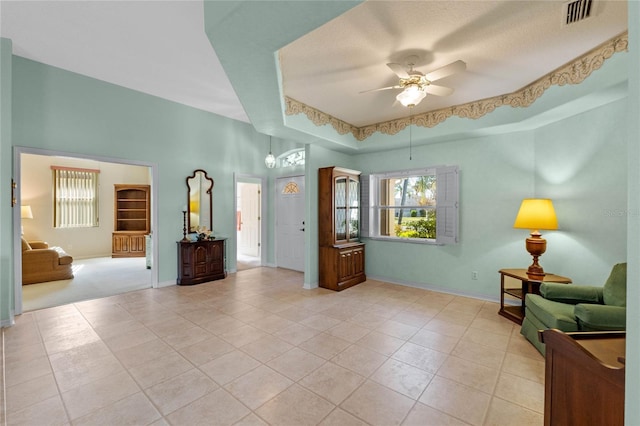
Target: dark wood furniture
{"x": 199, "y": 202}
{"x": 341, "y": 254}
{"x": 584, "y": 378}
{"x": 132, "y": 220}
{"x": 201, "y": 261}
{"x": 515, "y": 284}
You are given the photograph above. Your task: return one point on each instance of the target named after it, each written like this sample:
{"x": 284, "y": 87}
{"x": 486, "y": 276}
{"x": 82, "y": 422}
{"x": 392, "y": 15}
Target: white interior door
{"x": 290, "y": 226}
{"x": 249, "y": 219}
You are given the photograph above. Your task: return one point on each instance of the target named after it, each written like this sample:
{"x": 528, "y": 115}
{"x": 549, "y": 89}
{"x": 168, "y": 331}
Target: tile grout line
{"x": 178, "y": 311}
{"x": 53, "y": 374}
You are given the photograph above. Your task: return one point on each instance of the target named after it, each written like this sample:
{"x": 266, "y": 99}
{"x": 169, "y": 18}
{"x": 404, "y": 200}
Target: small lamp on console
{"x": 536, "y": 214}
{"x": 25, "y": 213}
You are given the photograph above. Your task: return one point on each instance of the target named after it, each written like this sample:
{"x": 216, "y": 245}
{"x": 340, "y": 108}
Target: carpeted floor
{"x": 93, "y": 278}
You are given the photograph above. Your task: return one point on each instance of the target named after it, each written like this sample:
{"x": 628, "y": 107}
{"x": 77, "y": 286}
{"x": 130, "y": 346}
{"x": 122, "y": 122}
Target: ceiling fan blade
{"x": 433, "y": 89}
{"x": 382, "y": 88}
{"x": 447, "y": 70}
{"x": 399, "y": 70}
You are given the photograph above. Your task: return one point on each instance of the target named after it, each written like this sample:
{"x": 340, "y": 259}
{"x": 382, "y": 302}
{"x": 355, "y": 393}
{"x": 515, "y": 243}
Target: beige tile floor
{"x": 257, "y": 349}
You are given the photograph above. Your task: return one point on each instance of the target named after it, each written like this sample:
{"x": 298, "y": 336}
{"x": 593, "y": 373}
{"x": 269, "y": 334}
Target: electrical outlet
{"x": 474, "y": 275}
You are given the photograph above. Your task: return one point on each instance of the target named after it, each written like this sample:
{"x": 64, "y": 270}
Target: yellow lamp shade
{"x": 536, "y": 213}
{"x": 25, "y": 212}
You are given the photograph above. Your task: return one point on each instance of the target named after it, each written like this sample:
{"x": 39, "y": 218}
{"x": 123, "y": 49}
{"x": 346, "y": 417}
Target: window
{"x": 75, "y": 197}
{"x": 412, "y": 205}
{"x": 292, "y": 158}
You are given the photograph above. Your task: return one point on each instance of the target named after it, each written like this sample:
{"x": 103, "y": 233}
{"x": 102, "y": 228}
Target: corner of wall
{"x": 6, "y": 209}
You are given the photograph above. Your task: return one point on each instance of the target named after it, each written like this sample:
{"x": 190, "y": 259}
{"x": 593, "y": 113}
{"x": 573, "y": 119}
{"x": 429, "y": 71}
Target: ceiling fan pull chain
{"x": 410, "y": 132}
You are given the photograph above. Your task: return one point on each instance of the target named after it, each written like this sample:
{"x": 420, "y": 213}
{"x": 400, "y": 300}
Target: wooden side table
{"x": 507, "y": 287}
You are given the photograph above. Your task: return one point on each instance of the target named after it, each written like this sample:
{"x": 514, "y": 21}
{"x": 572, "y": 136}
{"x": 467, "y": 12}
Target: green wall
{"x": 6, "y": 211}
{"x": 579, "y": 162}
{"x": 493, "y": 172}
{"x": 58, "y": 110}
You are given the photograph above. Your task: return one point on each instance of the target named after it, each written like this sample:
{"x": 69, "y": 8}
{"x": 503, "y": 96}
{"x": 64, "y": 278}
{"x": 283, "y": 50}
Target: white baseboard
{"x": 166, "y": 283}
{"x": 311, "y": 286}
{"x": 437, "y": 288}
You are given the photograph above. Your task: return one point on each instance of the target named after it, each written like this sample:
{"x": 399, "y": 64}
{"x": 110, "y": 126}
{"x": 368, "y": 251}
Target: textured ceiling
{"x": 506, "y": 45}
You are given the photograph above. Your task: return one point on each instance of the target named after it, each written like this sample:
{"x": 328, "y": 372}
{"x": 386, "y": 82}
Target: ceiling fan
{"x": 417, "y": 85}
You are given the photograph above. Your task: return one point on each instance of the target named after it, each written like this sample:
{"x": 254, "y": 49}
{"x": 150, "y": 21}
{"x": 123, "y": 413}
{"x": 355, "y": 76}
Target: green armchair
{"x": 570, "y": 307}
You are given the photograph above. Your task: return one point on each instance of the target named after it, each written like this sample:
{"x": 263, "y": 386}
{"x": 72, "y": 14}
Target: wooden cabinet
{"x": 584, "y": 378}
{"x": 128, "y": 245}
{"x": 201, "y": 261}
{"x": 132, "y": 220}
{"x": 341, "y": 252}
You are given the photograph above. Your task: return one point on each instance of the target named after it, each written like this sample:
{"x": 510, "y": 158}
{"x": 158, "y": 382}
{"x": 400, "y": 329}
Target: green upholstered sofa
{"x": 569, "y": 307}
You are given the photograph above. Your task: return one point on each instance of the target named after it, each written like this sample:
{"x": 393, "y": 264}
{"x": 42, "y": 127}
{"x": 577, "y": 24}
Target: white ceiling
{"x": 506, "y": 45}
{"x": 160, "y": 48}
{"x": 155, "y": 47}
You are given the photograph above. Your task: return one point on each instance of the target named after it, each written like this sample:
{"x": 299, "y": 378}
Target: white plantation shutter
{"x": 75, "y": 197}
{"x": 447, "y": 205}
{"x": 365, "y": 211}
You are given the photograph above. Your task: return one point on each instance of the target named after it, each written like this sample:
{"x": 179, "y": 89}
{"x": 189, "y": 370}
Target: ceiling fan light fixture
{"x": 411, "y": 96}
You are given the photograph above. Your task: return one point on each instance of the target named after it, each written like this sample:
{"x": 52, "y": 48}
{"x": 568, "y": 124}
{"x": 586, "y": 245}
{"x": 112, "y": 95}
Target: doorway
{"x": 249, "y": 226}
{"x": 90, "y": 247}
{"x": 290, "y": 222}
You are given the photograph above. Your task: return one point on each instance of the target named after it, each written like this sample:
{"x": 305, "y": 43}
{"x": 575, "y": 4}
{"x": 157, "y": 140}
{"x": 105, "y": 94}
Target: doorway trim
{"x": 17, "y": 177}
{"x": 249, "y": 178}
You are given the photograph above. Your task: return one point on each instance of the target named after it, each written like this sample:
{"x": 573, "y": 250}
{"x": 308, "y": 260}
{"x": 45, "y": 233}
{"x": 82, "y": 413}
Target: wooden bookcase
{"x": 132, "y": 220}
{"x": 341, "y": 253}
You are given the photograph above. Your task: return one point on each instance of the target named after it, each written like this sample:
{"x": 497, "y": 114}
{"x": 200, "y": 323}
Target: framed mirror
{"x": 199, "y": 201}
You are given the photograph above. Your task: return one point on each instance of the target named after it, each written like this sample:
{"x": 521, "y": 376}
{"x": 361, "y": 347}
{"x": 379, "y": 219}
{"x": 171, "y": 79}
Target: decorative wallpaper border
{"x": 574, "y": 72}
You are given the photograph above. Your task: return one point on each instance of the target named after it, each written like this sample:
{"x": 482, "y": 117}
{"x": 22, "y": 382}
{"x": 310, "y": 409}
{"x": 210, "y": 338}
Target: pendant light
{"x": 270, "y": 160}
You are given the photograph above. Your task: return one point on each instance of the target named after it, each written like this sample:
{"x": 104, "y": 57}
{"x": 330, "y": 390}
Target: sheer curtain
{"x": 75, "y": 197}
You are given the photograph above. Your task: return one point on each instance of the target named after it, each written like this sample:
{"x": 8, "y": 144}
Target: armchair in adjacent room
{"x": 569, "y": 307}
{"x": 41, "y": 263}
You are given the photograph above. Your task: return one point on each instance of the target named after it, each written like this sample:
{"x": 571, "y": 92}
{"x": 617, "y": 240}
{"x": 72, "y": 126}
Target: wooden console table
{"x": 584, "y": 378}
{"x": 201, "y": 261}
{"x": 516, "y": 312}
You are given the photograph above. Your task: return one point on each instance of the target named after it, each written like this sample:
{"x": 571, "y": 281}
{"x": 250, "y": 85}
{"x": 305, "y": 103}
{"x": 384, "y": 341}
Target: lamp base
{"x": 536, "y": 246}
{"x": 535, "y": 274}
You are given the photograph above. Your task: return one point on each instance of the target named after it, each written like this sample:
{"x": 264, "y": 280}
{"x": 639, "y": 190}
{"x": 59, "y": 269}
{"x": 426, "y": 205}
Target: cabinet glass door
{"x": 354, "y": 209}
{"x": 341, "y": 208}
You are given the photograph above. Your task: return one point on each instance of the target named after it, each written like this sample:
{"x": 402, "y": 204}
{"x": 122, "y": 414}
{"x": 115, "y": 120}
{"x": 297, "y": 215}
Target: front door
{"x": 290, "y": 226}
{"x": 249, "y": 219}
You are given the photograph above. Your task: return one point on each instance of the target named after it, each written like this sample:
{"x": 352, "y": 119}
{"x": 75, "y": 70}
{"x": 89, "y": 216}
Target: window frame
{"x": 282, "y": 158}
{"x": 446, "y": 204}
{"x": 76, "y": 211}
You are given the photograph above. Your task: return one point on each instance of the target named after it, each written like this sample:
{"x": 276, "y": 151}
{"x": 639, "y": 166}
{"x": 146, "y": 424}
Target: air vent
{"x": 577, "y": 11}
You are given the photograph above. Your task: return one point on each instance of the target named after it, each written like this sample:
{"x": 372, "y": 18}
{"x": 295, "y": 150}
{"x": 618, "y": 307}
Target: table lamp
{"x": 536, "y": 214}
{"x": 25, "y": 213}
